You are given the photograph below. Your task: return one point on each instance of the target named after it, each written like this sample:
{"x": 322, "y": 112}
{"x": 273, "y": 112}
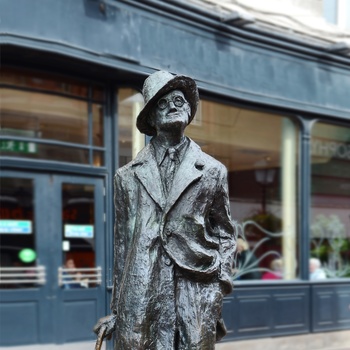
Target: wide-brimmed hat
{"x": 157, "y": 85}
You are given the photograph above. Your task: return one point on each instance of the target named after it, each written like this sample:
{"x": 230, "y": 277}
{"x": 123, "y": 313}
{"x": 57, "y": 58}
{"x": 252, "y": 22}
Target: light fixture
{"x": 238, "y": 19}
{"x": 342, "y": 48}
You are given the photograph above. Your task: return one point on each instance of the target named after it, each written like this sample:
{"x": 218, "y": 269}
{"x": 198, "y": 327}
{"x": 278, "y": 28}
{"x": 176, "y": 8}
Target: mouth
{"x": 173, "y": 114}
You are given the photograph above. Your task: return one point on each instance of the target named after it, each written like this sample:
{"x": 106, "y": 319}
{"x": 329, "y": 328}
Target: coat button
{"x": 167, "y": 261}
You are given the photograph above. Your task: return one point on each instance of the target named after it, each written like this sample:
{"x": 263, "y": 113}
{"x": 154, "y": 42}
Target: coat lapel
{"x": 190, "y": 170}
{"x": 146, "y": 170}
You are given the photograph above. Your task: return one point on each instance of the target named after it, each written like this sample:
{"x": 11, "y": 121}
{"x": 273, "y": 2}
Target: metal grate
{"x": 23, "y": 275}
{"x": 86, "y": 277}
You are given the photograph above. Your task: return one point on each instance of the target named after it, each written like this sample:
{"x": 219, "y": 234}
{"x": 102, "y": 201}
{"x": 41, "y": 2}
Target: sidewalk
{"x": 88, "y": 345}
{"x": 339, "y": 340}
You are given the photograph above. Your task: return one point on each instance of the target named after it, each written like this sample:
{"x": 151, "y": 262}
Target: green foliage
{"x": 268, "y": 221}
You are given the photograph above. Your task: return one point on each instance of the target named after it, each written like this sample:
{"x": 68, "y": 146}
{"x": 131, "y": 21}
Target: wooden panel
{"x": 289, "y": 311}
{"x": 79, "y": 317}
{"x": 330, "y": 307}
{"x": 343, "y": 307}
{"x": 19, "y": 323}
{"x": 228, "y": 316}
{"x": 253, "y": 313}
{"x": 267, "y": 311}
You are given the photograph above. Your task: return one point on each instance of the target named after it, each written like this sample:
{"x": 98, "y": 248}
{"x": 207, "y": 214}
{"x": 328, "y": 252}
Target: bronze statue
{"x": 174, "y": 239}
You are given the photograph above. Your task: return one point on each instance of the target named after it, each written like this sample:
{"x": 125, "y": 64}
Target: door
{"x": 52, "y": 231}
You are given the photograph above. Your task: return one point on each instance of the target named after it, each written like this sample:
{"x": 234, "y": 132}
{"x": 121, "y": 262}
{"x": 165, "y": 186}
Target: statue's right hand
{"x": 105, "y": 326}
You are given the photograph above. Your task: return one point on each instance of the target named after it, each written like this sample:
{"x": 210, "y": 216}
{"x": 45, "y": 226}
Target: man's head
{"x": 163, "y": 94}
{"x": 172, "y": 111}
{"x": 242, "y": 245}
{"x": 314, "y": 264}
{"x": 70, "y": 264}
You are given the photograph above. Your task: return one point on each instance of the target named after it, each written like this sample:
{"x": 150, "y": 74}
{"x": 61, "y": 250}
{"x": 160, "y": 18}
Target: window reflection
{"x": 37, "y": 115}
{"x": 97, "y": 120}
{"x": 17, "y": 234}
{"x": 260, "y": 153}
{"x": 330, "y": 189}
{"x": 44, "y": 82}
{"x": 131, "y": 141}
{"x": 37, "y": 106}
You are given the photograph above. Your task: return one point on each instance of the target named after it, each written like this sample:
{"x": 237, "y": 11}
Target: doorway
{"x": 52, "y": 239}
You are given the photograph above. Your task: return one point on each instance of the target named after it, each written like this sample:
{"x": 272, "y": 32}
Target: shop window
{"x": 43, "y": 117}
{"x": 131, "y": 141}
{"x": 17, "y": 234}
{"x": 260, "y": 151}
{"x": 330, "y": 202}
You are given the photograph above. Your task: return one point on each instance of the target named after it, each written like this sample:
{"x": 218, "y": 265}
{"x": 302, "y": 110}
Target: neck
{"x": 169, "y": 139}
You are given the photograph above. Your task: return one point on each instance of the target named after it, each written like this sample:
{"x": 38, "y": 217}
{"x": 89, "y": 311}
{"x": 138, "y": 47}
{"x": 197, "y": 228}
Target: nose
{"x": 172, "y": 107}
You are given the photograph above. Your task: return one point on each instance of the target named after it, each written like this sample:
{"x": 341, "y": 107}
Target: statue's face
{"x": 172, "y": 111}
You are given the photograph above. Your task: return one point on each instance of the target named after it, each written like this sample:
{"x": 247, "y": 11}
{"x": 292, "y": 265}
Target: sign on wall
{"x": 21, "y": 227}
{"x": 79, "y": 231}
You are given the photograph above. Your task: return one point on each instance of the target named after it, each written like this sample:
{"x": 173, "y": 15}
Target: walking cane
{"x": 100, "y": 337}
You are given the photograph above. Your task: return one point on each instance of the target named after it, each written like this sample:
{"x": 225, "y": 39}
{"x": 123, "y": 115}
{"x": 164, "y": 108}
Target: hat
{"x": 157, "y": 85}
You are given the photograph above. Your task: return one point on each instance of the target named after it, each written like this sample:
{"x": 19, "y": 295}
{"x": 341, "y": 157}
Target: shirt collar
{"x": 161, "y": 151}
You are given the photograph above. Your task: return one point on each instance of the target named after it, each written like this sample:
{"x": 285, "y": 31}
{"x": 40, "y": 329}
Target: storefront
{"x": 274, "y": 111}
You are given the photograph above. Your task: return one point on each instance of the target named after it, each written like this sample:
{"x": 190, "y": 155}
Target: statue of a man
{"x": 174, "y": 239}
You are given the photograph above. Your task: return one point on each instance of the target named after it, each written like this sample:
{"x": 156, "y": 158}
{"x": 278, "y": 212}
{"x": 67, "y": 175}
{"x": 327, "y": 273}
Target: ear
{"x": 150, "y": 118}
{"x": 188, "y": 110}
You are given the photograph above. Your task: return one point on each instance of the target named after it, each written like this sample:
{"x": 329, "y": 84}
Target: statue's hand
{"x": 105, "y": 327}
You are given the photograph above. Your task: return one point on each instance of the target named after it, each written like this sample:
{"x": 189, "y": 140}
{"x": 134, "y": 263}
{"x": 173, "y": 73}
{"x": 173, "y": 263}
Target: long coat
{"x": 173, "y": 253}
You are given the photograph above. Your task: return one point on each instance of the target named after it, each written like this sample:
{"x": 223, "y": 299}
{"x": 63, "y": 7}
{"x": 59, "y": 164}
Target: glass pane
{"x": 98, "y": 93}
{"x": 42, "y": 151}
{"x": 97, "y": 119}
{"x": 43, "y": 81}
{"x": 32, "y": 114}
{"x": 98, "y": 158}
{"x": 78, "y": 236}
{"x": 17, "y": 233}
{"x": 260, "y": 153}
{"x": 330, "y": 191}
{"x": 131, "y": 141}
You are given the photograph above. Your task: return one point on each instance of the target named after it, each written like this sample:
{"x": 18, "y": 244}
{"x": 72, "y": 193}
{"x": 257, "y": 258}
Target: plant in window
{"x": 262, "y": 231}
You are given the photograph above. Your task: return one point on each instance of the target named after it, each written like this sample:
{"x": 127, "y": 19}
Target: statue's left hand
{"x": 104, "y": 329}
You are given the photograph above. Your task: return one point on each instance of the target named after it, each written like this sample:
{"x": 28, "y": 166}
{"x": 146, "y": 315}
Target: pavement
{"x": 339, "y": 340}
{"x": 87, "y": 345}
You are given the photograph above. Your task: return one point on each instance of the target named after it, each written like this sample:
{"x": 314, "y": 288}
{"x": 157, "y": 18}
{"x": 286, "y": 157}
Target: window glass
{"x": 330, "y": 200}
{"x": 39, "y": 106}
{"x": 78, "y": 236}
{"x": 260, "y": 153}
{"x": 17, "y": 234}
{"x": 97, "y": 120}
{"x": 98, "y": 93}
{"x": 44, "y": 82}
{"x": 98, "y": 158}
{"x": 131, "y": 141}
{"x": 37, "y": 115}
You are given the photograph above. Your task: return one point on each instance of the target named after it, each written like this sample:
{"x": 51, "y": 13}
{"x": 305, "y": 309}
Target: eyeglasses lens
{"x": 177, "y": 100}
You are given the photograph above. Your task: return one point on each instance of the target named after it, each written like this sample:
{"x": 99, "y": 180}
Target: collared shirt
{"x": 162, "y": 155}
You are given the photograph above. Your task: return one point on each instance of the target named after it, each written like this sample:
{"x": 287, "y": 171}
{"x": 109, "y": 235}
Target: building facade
{"x": 275, "y": 109}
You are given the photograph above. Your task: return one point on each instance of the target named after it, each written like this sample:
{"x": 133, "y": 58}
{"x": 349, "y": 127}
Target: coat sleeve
{"x": 223, "y": 227}
{"x": 120, "y": 237}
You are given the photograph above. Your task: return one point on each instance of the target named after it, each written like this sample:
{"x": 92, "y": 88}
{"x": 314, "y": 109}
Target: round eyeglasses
{"x": 177, "y": 100}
